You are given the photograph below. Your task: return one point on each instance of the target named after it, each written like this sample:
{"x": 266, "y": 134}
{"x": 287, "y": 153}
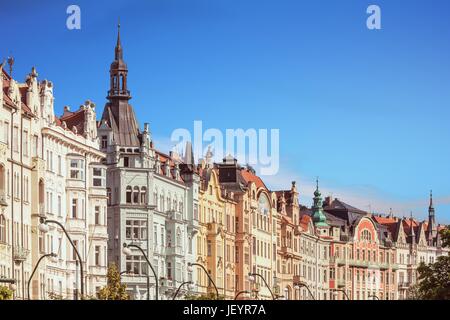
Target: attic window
{"x": 104, "y": 142}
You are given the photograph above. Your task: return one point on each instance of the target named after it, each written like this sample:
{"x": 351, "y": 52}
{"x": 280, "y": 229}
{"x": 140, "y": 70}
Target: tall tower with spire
{"x": 118, "y": 113}
{"x": 432, "y": 228}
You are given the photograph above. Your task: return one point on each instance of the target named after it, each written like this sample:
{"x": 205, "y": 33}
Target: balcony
{"x": 98, "y": 231}
{"x": 175, "y": 215}
{"x": 20, "y": 254}
{"x": 74, "y": 225}
{"x": 403, "y": 285}
{"x": 98, "y": 270}
{"x": 174, "y": 251}
{"x": 337, "y": 260}
{"x": 359, "y": 263}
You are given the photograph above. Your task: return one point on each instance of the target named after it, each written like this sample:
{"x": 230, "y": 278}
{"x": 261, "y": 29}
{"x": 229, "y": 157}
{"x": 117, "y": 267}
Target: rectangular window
{"x": 97, "y": 255}
{"x": 99, "y": 177}
{"x": 59, "y": 206}
{"x": 126, "y": 162}
{"x": 76, "y": 169}
{"x": 16, "y": 139}
{"x": 136, "y": 230}
{"x": 6, "y": 133}
{"x": 35, "y": 146}
{"x": 74, "y": 208}
{"x": 25, "y": 143}
{"x": 97, "y": 215}
{"x": 104, "y": 142}
{"x": 59, "y": 165}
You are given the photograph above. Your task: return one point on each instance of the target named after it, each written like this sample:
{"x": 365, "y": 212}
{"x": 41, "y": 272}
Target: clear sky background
{"x": 366, "y": 111}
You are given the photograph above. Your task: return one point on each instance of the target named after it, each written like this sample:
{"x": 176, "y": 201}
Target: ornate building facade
{"x": 61, "y": 158}
{"x": 152, "y": 197}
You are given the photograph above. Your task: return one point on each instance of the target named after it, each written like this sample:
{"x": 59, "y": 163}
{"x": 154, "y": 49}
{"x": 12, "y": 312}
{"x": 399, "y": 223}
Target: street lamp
{"x": 302, "y": 284}
{"x": 190, "y": 265}
{"x": 241, "y": 292}
{"x": 252, "y": 277}
{"x": 189, "y": 283}
{"x": 127, "y": 251}
{"x": 373, "y": 296}
{"x": 50, "y": 255}
{"x": 43, "y": 227}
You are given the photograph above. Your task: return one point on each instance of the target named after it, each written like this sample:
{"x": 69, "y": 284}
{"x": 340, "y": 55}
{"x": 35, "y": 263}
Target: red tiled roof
{"x": 250, "y": 177}
{"x": 74, "y": 119}
{"x": 304, "y": 221}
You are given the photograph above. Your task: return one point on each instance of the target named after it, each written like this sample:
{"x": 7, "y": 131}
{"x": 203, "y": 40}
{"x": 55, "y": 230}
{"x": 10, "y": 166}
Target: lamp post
{"x": 241, "y": 292}
{"x": 251, "y": 277}
{"x": 374, "y": 296}
{"x": 341, "y": 290}
{"x": 126, "y": 250}
{"x": 302, "y": 284}
{"x": 43, "y": 227}
{"x": 51, "y": 255}
{"x": 190, "y": 265}
{"x": 189, "y": 283}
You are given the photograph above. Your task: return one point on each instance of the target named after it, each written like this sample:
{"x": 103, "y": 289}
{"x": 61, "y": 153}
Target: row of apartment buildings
{"x": 106, "y": 182}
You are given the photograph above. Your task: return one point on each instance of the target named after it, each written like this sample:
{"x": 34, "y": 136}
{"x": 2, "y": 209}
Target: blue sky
{"x": 366, "y": 111}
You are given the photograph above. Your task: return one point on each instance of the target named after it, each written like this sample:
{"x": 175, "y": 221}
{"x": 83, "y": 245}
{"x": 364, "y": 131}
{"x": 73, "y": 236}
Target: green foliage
{"x": 114, "y": 290}
{"x": 5, "y": 293}
{"x": 434, "y": 279}
{"x": 445, "y": 235}
{"x": 208, "y": 296}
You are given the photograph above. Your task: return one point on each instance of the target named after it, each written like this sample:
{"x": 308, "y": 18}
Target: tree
{"x": 5, "y": 293}
{"x": 434, "y": 279}
{"x": 114, "y": 289}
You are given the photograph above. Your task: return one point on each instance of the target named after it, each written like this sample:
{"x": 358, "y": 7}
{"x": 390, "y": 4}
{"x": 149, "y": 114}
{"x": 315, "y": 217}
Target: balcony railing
{"x": 403, "y": 285}
{"x": 175, "y": 215}
{"x": 177, "y": 250}
{"x": 20, "y": 254}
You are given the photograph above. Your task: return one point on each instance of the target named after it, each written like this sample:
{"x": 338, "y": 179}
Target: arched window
{"x": 143, "y": 195}
{"x": 136, "y": 194}
{"x": 2, "y": 228}
{"x": 129, "y": 191}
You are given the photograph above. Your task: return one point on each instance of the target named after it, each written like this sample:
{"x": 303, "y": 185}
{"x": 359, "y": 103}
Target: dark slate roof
{"x": 120, "y": 117}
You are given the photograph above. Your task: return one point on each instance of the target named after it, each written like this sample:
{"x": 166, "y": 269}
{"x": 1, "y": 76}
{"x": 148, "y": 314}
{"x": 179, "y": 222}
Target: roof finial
{"x": 317, "y": 183}
{"x": 10, "y": 63}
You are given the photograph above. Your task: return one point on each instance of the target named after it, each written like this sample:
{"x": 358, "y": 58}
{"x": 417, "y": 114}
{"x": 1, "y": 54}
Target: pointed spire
{"x": 411, "y": 221}
{"x": 431, "y": 199}
{"x": 317, "y": 192}
{"x": 118, "y": 51}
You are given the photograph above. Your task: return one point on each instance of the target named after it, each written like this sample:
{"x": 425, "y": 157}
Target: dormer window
{"x": 76, "y": 169}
